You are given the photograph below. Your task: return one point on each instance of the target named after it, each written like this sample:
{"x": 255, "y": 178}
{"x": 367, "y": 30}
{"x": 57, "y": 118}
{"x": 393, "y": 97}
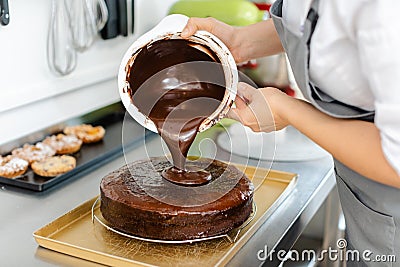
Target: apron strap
{"x": 312, "y": 19}
{"x": 318, "y": 94}
{"x": 309, "y": 28}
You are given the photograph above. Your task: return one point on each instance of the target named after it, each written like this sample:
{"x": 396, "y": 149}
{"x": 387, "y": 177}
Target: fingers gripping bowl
{"x": 170, "y": 29}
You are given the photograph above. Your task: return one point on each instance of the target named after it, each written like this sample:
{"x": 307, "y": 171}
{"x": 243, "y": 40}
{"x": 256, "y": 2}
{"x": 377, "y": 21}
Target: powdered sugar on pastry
{"x": 86, "y": 132}
{"x": 11, "y": 167}
{"x": 64, "y": 144}
{"x": 35, "y": 152}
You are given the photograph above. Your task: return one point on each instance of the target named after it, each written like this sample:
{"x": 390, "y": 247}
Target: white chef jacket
{"x": 355, "y": 58}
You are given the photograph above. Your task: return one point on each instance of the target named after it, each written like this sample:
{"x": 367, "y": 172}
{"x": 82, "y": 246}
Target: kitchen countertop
{"x": 23, "y": 212}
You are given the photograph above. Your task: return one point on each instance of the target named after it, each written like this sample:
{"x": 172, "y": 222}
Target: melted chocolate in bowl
{"x": 177, "y": 84}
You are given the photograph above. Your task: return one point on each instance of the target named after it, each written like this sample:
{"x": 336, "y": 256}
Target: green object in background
{"x": 232, "y": 12}
{"x": 225, "y": 122}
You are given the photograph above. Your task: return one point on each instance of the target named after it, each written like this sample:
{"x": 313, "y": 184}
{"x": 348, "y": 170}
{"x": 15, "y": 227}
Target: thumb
{"x": 195, "y": 24}
{"x": 189, "y": 30}
{"x": 244, "y": 95}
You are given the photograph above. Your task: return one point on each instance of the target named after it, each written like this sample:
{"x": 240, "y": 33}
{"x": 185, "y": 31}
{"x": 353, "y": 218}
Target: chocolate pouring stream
{"x": 177, "y": 84}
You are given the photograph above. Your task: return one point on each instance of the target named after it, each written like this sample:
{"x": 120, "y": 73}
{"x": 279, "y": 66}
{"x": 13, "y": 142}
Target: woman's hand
{"x": 260, "y": 109}
{"x": 355, "y": 143}
{"x": 245, "y": 43}
{"x": 224, "y": 32}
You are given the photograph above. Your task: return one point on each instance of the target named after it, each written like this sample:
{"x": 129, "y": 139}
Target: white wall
{"x": 31, "y": 96}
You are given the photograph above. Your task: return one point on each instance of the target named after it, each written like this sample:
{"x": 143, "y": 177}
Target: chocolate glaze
{"x": 190, "y": 176}
{"x": 177, "y": 85}
{"x": 127, "y": 205}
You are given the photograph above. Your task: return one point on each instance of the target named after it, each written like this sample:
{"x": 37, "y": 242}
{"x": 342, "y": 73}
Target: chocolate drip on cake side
{"x": 177, "y": 84}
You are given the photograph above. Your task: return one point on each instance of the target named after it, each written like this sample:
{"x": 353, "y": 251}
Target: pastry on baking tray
{"x": 11, "y": 167}
{"x": 53, "y": 166}
{"x": 86, "y": 132}
{"x": 33, "y": 153}
{"x": 64, "y": 144}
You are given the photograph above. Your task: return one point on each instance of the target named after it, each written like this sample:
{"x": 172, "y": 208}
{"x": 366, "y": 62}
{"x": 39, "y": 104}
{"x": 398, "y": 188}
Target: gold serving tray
{"x": 77, "y": 235}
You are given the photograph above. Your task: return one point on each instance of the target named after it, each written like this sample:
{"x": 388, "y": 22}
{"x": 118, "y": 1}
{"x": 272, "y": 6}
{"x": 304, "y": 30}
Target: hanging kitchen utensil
{"x": 123, "y": 17}
{"x": 111, "y": 29}
{"x": 100, "y": 12}
{"x": 132, "y": 18}
{"x": 74, "y": 25}
{"x": 82, "y": 23}
{"x": 117, "y": 23}
{"x": 61, "y": 55}
{"x": 4, "y": 13}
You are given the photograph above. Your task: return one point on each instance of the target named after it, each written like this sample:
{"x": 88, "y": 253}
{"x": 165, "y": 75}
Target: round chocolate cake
{"x": 137, "y": 200}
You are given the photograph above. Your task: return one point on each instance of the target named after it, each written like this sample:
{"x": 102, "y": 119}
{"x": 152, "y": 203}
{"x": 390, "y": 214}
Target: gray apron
{"x": 371, "y": 209}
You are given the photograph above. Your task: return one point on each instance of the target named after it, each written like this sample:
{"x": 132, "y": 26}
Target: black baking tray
{"x": 90, "y": 155}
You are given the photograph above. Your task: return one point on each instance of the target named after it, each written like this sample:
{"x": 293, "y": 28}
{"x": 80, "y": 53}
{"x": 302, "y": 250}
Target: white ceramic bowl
{"x": 170, "y": 28}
